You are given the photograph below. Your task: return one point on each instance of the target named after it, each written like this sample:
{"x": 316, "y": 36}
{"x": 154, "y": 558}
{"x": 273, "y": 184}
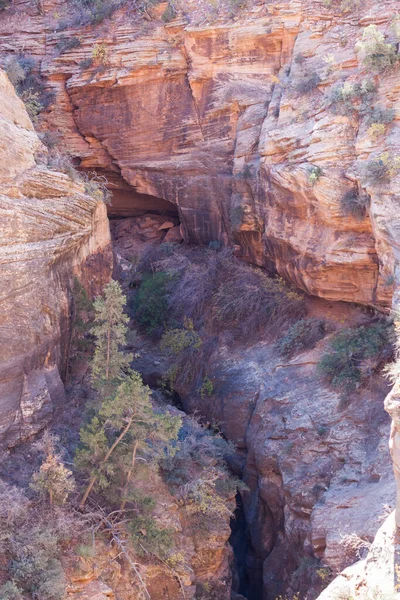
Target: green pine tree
{"x": 109, "y": 362}
{"x": 127, "y": 417}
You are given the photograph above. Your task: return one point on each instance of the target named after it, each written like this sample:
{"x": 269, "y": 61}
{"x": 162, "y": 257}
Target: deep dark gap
{"x": 240, "y": 545}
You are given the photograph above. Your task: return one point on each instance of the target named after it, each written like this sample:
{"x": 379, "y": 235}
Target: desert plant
{"x": 353, "y": 354}
{"x": 96, "y": 186}
{"x": 344, "y": 6}
{"x": 376, "y": 54}
{"x": 10, "y": 591}
{"x": 174, "y": 341}
{"x": 308, "y": 83}
{"x": 352, "y": 99}
{"x": 314, "y": 174}
{"x": 65, "y": 44}
{"x": 381, "y": 115}
{"x": 302, "y": 335}
{"x": 354, "y": 203}
{"x": 149, "y": 537}
{"x": 151, "y": 301}
{"x": 376, "y": 130}
{"x": 16, "y": 73}
{"x": 382, "y": 168}
{"x": 207, "y": 387}
{"x": 100, "y": 54}
{"x": 29, "y": 85}
{"x": 169, "y": 14}
{"x": 53, "y": 479}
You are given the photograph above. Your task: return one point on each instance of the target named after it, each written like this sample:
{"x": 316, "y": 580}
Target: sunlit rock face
{"x": 50, "y": 232}
{"x": 219, "y": 122}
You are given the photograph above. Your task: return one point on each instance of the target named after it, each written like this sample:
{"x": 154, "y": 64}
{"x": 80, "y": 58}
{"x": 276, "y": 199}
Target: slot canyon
{"x": 230, "y": 171}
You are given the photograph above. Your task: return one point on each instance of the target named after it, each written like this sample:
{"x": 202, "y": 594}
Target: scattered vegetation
{"x": 308, "y": 83}
{"x": 376, "y": 131}
{"x": 377, "y": 55}
{"x": 96, "y": 186}
{"x": 382, "y": 168}
{"x": 354, "y": 203}
{"x": 100, "y": 54}
{"x": 67, "y": 43}
{"x": 28, "y": 84}
{"x": 53, "y": 481}
{"x": 352, "y": 99}
{"x": 315, "y": 173}
{"x": 380, "y": 115}
{"x": 303, "y": 335}
{"x": 214, "y": 291}
{"x": 90, "y": 12}
{"x": 344, "y": 6}
{"x": 151, "y": 301}
{"x": 354, "y": 354}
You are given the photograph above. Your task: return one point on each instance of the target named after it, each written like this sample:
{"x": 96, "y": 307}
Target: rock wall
{"x": 50, "y": 231}
{"x": 375, "y": 576}
{"x": 317, "y": 470}
{"x": 214, "y": 119}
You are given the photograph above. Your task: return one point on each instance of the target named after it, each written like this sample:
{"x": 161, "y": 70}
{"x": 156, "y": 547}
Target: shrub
{"x": 174, "y": 341}
{"x": 9, "y": 591}
{"x": 14, "y": 70}
{"x": 197, "y": 473}
{"x": 376, "y": 53}
{"x": 314, "y": 174}
{"x": 4, "y": 4}
{"x": 352, "y": 99}
{"x": 151, "y": 300}
{"x": 29, "y": 86}
{"x": 149, "y": 537}
{"x": 90, "y": 12}
{"x": 207, "y": 387}
{"x": 383, "y": 168}
{"x": 100, "y": 54}
{"x": 53, "y": 479}
{"x": 376, "y": 130}
{"x": 96, "y": 186}
{"x": 345, "y": 6}
{"x": 169, "y": 14}
{"x": 67, "y": 43}
{"x": 344, "y": 363}
{"x": 353, "y": 203}
{"x": 218, "y": 291}
{"x": 381, "y": 115}
{"x": 249, "y": 302}
{"x": 32, "y": 103}
{"x": 308, "y": 83}
{"x": 301, "y": 336}
{"x": 86, "y": 63}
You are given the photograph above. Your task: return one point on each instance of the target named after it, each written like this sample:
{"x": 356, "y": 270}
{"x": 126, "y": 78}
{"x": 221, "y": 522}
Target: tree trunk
{"x": 129, "y": 476}
{"x": 105, "y": 459}
{"x": 108, "y": 354}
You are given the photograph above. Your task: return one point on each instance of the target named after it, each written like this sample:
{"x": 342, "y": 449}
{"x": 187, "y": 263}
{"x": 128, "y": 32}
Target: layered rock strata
{"x": 50, "y": 232}
{"x": 230, "y": 123}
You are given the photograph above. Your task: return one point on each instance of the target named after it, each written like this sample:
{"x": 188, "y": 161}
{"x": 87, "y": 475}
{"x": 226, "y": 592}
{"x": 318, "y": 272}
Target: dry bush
{"x": 216, "y": 290}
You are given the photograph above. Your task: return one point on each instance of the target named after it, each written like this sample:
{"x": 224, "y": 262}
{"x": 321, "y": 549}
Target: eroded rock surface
{"x": 50, "y": 232}
{"x": 212, "y": 120}
{"x": 317, "y": 471}
{"x": 376, "y": 576}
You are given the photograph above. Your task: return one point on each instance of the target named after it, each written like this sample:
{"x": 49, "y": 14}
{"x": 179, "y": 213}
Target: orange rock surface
{"x": 50, "y": 231}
